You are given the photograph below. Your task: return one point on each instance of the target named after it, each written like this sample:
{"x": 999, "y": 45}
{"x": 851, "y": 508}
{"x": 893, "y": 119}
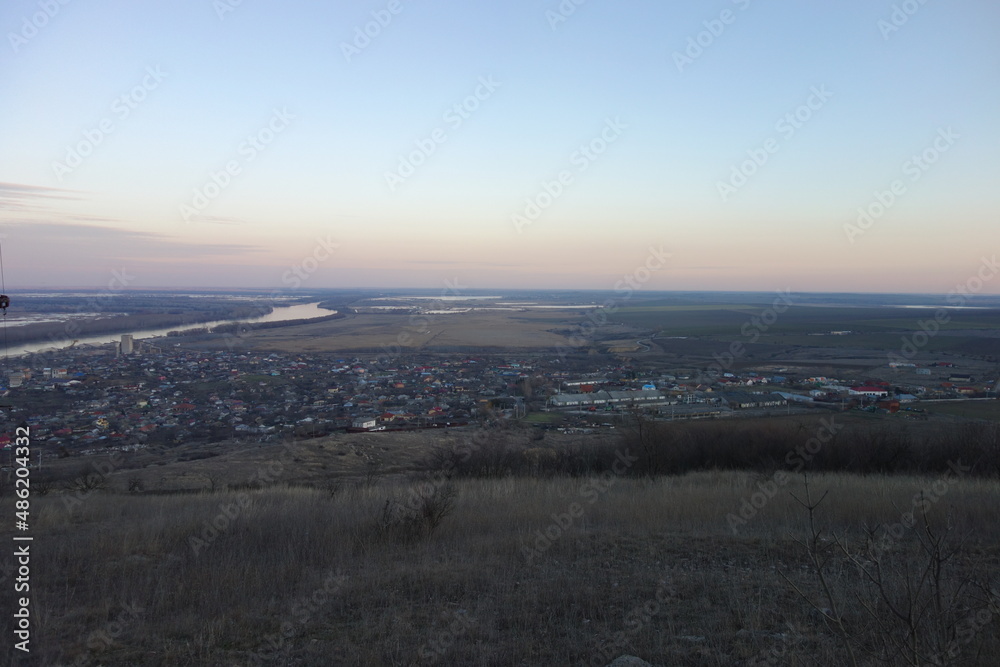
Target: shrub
{"x": 426, "y": 507}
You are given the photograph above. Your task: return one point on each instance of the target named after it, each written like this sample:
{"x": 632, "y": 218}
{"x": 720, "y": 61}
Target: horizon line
{"x": 477, "y": 290}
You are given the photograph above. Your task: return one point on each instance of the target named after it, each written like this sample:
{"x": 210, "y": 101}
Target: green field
{"x": 543, "y": 418}
{"x": 872, "y": 328}
{"x": 968, "y": 409}
{"x": 716, "y": 319}
{"x": 874, "y": 341}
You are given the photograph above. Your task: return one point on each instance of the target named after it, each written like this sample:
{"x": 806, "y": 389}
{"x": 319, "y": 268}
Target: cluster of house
{"x": 92, "y": 398}
{"x": 643, "y": 398}
{"x": 753, "y": 391}
{"x": 96, "y": 399}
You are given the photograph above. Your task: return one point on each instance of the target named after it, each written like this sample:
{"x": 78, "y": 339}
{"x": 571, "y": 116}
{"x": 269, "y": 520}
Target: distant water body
{"x": 949, "y": 307}
{"x": 279, "y": 314}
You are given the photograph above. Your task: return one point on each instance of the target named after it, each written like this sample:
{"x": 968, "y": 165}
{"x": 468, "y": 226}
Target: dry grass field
{"x": 383, "y": 332}
{"x": 519, "y": 571}
{"x": 358, "y": 549}
{"x": 345, "y": 457}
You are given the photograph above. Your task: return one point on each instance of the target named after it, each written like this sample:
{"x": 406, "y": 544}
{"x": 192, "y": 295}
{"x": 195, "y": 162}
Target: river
{"x": 279, "y": 314}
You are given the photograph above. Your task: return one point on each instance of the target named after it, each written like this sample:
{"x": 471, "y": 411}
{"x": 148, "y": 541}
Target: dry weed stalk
{"x": 914, "y": 604}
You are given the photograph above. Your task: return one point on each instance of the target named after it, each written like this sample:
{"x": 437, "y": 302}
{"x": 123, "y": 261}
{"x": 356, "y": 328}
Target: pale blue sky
{"x": 324, "y": 173}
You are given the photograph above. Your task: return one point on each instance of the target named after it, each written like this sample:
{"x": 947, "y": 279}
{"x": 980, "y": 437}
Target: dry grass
{"x": 382, "y": 332}
{"x": 470, "y": 593}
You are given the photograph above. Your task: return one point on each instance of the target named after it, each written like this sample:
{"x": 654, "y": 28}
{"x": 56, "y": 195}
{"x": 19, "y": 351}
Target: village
{"x": 91, "y": 399}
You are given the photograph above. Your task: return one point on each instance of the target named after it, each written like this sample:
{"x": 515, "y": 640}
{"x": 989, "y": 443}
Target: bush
{"x": 426, "y": 507}
{"x": 758, "y": 445}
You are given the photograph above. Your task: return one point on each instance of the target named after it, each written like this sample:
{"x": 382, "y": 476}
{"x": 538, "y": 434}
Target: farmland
{"x": 678, "y": 327}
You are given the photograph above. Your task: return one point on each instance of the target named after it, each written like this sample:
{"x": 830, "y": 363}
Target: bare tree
{"x": 910, "y": 605}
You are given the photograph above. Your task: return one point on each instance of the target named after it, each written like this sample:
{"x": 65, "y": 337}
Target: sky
{"x": 724, "y": 145}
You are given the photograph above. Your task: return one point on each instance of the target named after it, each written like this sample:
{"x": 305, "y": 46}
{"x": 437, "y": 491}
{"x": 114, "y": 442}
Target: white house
{"x": 870, "y": 392}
